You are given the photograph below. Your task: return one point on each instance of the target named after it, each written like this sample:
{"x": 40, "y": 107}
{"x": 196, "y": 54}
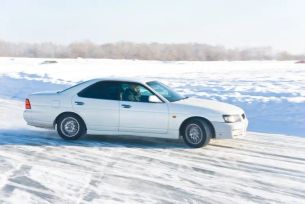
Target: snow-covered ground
{"x": 272, "y": 93}
{"x": 36, "y": 166}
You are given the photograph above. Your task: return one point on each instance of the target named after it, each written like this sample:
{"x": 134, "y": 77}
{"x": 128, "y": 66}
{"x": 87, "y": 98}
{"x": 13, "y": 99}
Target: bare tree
{"x": 144, "y": 51}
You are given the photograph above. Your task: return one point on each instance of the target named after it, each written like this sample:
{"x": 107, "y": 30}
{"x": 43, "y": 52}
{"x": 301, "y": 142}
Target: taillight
{"x": 27, "y": 104}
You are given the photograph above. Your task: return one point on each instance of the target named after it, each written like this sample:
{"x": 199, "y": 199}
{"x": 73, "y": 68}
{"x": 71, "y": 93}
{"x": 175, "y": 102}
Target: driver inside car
{"x": 132, "y": 93}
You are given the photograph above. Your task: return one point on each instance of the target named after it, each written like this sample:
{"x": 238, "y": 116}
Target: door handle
{"x": 79, "y": 103}
{"x": 126, "y": 106}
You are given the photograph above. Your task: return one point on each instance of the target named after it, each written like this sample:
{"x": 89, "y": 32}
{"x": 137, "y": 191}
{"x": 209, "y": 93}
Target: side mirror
{"x": 154, "y": 99}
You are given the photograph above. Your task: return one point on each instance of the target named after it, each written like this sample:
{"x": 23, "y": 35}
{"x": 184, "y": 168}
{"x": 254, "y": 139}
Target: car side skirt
{"x": 172, "y": 134}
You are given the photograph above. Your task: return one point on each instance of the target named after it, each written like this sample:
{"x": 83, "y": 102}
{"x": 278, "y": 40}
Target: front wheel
{"x": 70, "y": 127}
{"x": 196, "y": 133}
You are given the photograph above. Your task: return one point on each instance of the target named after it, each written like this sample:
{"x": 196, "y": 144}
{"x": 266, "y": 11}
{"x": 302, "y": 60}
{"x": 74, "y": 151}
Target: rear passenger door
{"x": 98, "y": 105}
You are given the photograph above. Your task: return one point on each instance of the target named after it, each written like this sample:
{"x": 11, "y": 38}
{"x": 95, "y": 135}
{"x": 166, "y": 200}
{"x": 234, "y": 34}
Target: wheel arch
{"x": 198, "y": 118}
{"x": 68, "y": 113}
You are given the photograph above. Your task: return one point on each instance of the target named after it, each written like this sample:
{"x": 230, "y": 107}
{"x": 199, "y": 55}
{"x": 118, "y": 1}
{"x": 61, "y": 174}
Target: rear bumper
{"x": 31, "y": 120}
{"x": 230, "y": 130}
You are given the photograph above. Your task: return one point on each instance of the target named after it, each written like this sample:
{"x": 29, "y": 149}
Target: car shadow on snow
{"x": 50, "y": 138}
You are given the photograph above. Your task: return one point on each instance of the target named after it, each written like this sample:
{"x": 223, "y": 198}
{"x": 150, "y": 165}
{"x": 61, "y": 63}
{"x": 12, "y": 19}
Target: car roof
{"x": 124, "y": 79}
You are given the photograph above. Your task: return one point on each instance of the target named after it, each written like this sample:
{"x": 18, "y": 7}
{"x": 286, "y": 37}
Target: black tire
{"x": 70, "y": 126}
{"x": 196, "y": 127}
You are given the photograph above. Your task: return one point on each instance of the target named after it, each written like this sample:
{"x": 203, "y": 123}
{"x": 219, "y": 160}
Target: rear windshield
{"x": 71, "y": 87}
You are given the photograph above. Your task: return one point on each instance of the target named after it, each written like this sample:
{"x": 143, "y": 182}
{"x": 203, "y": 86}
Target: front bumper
{"x": 230, "y": 130}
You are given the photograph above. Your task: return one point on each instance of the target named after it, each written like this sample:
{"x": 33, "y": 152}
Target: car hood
{"x": 221, "y": 107}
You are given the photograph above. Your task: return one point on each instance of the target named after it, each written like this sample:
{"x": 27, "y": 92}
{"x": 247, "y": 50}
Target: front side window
{"x": 134, "y": 92}
{"x": 106, "y": 90}
{"x": 165, "y": 91}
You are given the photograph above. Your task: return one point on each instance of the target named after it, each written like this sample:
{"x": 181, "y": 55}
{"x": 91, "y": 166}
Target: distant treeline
{"x": 143, "y": 51}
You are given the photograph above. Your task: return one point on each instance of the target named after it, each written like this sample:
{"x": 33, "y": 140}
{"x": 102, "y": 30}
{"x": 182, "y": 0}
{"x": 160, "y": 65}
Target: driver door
{"x": 139, "y": 115}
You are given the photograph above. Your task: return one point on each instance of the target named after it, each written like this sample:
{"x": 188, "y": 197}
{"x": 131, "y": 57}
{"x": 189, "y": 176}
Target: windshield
{"x": 165, "y": 91}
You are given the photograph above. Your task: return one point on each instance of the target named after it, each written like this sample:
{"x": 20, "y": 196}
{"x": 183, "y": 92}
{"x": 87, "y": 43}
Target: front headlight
{"x": 232, "y": 118}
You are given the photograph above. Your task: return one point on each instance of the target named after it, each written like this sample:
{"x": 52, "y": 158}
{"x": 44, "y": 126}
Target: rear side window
{"x": 107, "y": 90}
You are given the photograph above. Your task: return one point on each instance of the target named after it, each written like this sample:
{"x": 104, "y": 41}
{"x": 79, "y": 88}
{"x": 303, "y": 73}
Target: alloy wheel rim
{"x": 194, "y": 134}
{"x": 69, "y": 127}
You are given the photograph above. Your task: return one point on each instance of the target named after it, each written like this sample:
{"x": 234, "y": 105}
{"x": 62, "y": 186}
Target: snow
{"x": 271, "y": 92}
{"x": 36, "y": 166}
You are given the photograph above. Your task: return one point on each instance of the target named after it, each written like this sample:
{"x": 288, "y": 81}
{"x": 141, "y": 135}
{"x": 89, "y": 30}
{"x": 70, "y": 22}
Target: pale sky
{"x": 232, "y": 23}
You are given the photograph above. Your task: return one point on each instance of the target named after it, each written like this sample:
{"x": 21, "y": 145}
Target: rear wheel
{"x": 70, "y": 127}
{"x": 196, "y": 133}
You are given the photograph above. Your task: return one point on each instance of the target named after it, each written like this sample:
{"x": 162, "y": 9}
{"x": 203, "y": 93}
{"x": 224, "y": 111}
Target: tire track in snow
{"x": 38, "y": 167}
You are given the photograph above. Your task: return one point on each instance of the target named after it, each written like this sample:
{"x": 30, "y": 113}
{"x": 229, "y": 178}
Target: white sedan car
{"x": 133, "y": 107}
